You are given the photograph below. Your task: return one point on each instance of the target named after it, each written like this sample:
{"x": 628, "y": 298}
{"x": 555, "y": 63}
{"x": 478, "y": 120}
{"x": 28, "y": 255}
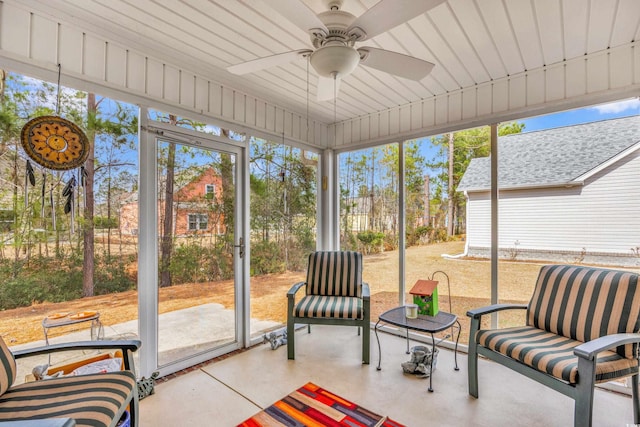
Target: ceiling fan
{"x": 334, "y": 34}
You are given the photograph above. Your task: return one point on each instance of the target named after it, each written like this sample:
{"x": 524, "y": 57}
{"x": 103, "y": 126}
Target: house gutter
{"x": 566, "y": 184}
{"x": 466, "y": 241}
{"x": 462, "y": 255}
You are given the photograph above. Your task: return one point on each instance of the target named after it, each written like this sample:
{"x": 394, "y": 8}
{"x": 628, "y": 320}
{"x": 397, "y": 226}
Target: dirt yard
{"x": 469, "y": 280}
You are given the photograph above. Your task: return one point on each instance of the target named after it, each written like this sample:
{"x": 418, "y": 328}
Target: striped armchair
{"x": 582, "y": 328}
{"x": 96, "y": 400}
{"x": 335, "y": 295}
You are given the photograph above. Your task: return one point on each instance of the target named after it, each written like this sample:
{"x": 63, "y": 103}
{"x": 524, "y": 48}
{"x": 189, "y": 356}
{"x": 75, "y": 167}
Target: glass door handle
{"x": 241, "y": 246}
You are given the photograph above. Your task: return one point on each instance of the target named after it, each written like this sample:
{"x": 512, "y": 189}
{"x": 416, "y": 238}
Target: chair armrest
{"x": 124, "y": 345}
{"x": 366, "y": 293}
{"x": 295, "y": 288}
{"x": 476, "y": 313}
{"x": 590, "y": 349}
{"x": 127, "y": 347}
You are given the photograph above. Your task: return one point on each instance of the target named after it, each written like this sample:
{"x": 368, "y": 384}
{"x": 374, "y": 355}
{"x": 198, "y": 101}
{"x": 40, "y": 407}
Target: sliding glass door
{"x": 199, "y": 254}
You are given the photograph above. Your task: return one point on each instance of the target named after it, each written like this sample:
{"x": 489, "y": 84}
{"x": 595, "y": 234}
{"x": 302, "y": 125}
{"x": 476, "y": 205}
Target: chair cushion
{"x": 552, "y": 353}
{"x": 584, "y": 303}
{"x": 7, "y": 367}
{"x": 335, "y": 273}
{"x": 332, "y": 307}
{"x": 91, "y": 400}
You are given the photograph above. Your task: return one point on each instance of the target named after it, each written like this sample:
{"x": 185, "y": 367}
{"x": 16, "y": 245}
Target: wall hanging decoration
{"x": 58, "y": 144}
{"x": 55, "y": 143}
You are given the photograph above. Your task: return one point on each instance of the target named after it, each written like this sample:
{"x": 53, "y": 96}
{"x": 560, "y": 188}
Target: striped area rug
{"x": 313, "y": 406}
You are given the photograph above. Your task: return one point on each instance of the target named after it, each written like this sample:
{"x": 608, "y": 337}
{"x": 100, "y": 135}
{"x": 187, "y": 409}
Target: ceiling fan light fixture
{"x": 335, "y": 60}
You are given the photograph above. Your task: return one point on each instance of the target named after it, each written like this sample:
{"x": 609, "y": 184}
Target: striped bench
{"x": 97, "y": 400}
{"x": 335, "y": 295}
{"x": 582, "y": 328}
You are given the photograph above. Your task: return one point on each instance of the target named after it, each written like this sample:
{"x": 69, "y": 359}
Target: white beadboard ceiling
{"x": 470, "y": 41}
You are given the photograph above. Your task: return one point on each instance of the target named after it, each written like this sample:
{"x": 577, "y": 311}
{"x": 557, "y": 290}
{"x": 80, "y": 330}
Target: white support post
{"x": 494, "y": 221}
{"x": 327, "y": 212}
{"x": 401, "y": 224}
{"x": 148, "y": 248}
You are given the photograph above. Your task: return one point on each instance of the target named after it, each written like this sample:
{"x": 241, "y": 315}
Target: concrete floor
{"x": 227, "y": 392}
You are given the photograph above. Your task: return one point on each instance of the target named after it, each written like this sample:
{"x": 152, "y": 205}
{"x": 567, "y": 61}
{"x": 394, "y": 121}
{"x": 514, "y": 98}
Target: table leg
{"x": 375, "y": 329}
{"x": 408, "y": 352}
{"x": 97, "y": 330}
{"x": 433, "y": 355}
{"x": 455, "y": 351}
{"x": 46, "y": 340}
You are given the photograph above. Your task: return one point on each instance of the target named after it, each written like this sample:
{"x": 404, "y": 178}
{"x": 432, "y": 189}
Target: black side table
{"x": 429, "y": 324}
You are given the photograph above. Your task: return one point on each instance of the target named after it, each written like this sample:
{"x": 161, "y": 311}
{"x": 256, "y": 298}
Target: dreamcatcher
{"x": 57, "y": 144}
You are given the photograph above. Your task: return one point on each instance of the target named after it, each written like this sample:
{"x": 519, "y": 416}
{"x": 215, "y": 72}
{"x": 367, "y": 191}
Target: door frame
{"x": 149, "y": 132}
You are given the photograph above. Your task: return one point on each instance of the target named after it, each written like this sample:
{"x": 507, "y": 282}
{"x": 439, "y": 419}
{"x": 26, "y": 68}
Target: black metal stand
{"x": 428, "y": 324}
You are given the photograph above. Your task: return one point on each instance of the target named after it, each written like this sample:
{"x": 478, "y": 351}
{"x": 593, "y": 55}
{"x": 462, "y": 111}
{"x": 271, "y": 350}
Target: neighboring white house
{"x": 570, "y": 194}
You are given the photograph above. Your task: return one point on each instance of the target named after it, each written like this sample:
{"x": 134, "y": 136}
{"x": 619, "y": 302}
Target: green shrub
{"x": 390, "y": 242}
{"x": 371, "y": 241}
{"x": 102, "y": 222}
{"x": 194, "y": 262}
{"x": 349, "y": 242}
{"x": 42, "y": 279}
{"x": 58, "y": 279}
{"x": 266, "y": 258}
{"x": 111, "y": 276}
{"x": 439, "y": 235}
{"x": 418, "y": 235}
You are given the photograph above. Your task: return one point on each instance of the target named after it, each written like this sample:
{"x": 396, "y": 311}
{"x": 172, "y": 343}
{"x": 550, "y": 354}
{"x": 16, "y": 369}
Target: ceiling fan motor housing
{"x": 335, "y": 60}
{"x": 335, "y": 55}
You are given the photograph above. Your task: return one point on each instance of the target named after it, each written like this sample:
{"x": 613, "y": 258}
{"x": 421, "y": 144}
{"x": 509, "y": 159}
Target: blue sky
{"x": 613, "y": 110}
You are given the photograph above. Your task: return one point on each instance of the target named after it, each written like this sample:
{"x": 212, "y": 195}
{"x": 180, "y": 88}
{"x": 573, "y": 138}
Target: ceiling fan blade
{"x": 267, "y": 62}
{"x": 387, "y": 14}
{"x": 299, "y": 14}
{"x": 326, "y": 90}
{"x": 395, "y": 63}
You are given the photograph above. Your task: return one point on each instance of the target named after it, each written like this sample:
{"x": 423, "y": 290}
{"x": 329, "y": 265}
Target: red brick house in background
{"x": 197, "y": 207}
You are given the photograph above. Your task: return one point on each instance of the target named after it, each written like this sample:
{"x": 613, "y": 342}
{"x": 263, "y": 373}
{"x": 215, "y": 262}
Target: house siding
{"x": 598, "y": 222}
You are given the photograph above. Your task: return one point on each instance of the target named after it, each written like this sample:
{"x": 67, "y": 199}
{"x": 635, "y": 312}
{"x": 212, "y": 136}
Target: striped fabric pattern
{"x": 337, "y": 273}
{"x": 7, "y": 368}
{"x": 583, "y": 303}
{"x": 329, "y": 307}
{"x": 91, "y": 400}
{"x": 552, "y": 353}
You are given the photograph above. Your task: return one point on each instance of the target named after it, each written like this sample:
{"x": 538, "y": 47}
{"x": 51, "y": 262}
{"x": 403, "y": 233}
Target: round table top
{"x": 439, "y": 322}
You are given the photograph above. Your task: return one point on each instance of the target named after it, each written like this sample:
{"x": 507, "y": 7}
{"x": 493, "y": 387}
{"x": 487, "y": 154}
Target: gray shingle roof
{"x": 552, "y": 157}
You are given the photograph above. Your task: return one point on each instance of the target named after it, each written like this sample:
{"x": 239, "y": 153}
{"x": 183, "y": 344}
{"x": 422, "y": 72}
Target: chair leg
{"x": 291, "y": 348}
{"x": 582, "y": 414}
{"x": 636, "y": 399}
{"x": 366, "y": 342}
{"x": 290, "y": 331}
{"x": 309, "y": 328}
{"x": 133, "y": 409}
{"x": 472, "y": 359}
{"x": 472, "y": 370}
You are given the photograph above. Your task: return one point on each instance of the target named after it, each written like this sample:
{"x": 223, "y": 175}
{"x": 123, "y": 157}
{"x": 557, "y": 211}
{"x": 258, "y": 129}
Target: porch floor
{"x": 226, "y": 392}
